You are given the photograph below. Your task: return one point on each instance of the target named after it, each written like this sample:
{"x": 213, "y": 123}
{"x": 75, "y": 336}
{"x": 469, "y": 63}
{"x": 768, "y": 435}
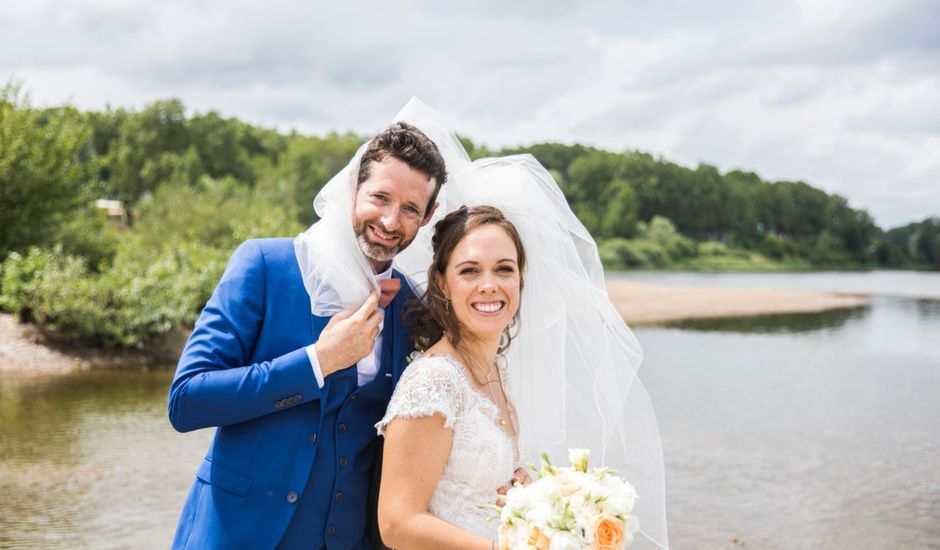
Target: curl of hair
{"x": 432, "y": 320}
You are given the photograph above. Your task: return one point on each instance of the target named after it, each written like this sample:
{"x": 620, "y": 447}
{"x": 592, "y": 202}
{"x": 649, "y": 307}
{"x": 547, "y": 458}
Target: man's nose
{"x": 391, "y": 218}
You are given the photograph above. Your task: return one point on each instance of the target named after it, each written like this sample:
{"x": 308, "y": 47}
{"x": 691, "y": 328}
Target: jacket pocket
{"x": 224, "y": 478}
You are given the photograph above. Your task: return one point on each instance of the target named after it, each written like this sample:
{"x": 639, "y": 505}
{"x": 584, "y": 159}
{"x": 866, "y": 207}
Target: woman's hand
{"x": 520, "y": 476}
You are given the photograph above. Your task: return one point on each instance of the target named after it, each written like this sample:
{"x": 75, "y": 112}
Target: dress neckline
{"x": 514, "y": 440}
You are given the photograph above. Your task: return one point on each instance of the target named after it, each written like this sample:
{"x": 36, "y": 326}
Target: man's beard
{"x": 376, "y": 251}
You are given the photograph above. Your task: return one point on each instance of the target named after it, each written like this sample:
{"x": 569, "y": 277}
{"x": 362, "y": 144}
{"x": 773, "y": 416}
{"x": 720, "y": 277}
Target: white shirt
{"x": 368, "y": 366}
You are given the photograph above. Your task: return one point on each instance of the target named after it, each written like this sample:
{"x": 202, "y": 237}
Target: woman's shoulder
{"x": 434, "y": 366}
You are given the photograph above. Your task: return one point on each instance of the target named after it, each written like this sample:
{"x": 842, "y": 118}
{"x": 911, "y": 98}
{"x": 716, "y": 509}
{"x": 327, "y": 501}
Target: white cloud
{"x": 842, "y": 94}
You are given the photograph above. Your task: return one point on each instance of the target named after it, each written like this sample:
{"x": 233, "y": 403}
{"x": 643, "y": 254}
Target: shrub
{"x": 138, "y": 298}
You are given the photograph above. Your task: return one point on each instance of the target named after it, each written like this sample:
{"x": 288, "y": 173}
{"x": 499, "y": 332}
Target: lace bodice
{"x": 482, "y": 454}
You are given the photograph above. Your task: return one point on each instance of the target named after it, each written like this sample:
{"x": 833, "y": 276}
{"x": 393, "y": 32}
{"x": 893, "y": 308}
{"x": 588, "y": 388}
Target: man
{"x": 295, "y": 396}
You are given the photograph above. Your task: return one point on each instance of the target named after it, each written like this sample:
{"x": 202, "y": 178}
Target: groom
{"x": 295, "y": 396}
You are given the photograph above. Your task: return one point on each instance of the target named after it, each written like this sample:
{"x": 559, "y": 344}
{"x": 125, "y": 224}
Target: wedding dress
{"x": 482, "y": 456}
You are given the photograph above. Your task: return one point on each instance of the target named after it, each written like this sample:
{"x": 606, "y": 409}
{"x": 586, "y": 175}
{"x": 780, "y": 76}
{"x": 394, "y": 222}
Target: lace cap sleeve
{"x": 430, "y": 385}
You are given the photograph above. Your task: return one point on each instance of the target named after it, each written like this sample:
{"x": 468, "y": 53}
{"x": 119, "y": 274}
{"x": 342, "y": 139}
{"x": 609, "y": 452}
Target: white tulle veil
{"x": 573, "y": 361}
{"x": 336, "y": 274}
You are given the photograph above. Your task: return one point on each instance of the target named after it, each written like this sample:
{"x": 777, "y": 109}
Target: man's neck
{"x": 379, "y": 267}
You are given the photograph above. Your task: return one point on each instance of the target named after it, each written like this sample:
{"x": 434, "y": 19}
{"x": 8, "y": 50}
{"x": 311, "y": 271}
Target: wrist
{"x": 324, "y": 359}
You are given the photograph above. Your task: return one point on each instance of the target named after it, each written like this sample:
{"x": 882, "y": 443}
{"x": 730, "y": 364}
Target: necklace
{"x": 487, "y": 384}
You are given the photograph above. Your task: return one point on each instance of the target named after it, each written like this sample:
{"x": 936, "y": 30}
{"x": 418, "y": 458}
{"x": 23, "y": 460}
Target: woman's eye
{"x": 467, "y": 271}
{"x": 506, "y": 269}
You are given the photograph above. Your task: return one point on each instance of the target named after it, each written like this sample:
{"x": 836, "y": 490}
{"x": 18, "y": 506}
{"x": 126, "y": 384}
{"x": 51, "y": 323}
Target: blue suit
{"x": 290, "y": 462}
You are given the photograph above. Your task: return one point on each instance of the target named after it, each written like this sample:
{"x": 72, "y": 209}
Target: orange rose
{"x": 538, "y": 539}
{"x": 608, "y": 533}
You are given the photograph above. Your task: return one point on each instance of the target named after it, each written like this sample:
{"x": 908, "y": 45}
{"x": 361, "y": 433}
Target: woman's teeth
{"x": 490, "y": 307}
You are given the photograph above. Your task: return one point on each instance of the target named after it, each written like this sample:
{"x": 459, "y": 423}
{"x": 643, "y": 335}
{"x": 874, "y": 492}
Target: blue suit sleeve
{"x": 214, "y": 384}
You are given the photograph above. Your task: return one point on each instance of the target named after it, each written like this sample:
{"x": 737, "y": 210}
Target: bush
{"x": 137, "y": 299}
{"x": 17, "y": 285}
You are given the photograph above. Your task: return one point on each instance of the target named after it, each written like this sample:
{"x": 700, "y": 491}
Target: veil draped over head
{"x": 336, "y": 274}
{"x": 573, "y": 361}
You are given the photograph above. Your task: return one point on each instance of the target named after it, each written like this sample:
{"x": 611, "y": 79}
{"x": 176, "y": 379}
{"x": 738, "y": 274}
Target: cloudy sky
{"x": 842, "y": 94}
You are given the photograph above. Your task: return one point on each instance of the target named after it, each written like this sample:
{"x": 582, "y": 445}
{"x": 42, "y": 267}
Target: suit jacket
{"x": 290, "y": 462}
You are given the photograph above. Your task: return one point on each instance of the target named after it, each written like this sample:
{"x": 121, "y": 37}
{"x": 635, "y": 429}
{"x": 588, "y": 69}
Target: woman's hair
{"x": 432, "y": 320}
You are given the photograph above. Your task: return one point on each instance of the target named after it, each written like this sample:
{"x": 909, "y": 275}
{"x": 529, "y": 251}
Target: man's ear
{"x": 430, "y": 214}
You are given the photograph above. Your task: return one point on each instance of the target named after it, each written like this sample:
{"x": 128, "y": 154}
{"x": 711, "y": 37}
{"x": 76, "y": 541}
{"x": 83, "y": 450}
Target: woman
{"x": 450, "y": 428}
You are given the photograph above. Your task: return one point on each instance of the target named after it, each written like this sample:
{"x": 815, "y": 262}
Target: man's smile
{"x": 383, "y": 238}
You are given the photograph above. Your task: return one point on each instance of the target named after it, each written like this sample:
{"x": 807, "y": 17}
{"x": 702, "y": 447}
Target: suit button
{"x": 279, "y": 404}
{"x": 354, "y": 397}
{"x": 343, "y": 462}
{"x": 339, "y": 496}
{"x": 341, "y": 428}
{"x": 330, "y": 530}
{"x": 292, "y": 497}
{"x": 313, "y": 437}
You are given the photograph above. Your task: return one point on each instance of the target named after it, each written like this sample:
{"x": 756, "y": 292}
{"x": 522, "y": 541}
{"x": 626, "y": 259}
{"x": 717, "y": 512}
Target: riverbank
{"x": 25, "y": 351}
{"x": 645, "y": 304}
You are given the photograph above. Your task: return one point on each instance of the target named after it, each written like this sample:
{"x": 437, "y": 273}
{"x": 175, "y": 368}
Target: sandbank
{"x": 644, "y": 304}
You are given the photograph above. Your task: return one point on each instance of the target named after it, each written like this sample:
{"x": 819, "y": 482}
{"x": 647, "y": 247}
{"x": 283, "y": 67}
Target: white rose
{"x": 517, "y": 500}
{"x": 621, "y": 496}
{"x": 563, "y": 540}
{"x": 540, "y": 514}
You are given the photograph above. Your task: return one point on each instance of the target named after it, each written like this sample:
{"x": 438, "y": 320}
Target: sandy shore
{"x": 25, "y": 352}
{"x": 643, "y": 304}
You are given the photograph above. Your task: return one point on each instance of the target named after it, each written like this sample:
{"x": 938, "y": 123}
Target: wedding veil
{"x": 573, "y": 361}
{"x": 335, "y": 272}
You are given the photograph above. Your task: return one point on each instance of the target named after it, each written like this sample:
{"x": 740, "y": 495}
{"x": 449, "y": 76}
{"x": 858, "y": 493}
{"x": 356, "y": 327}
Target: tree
{"x": 42, "y": 174}
{"x": 148, "y": 147}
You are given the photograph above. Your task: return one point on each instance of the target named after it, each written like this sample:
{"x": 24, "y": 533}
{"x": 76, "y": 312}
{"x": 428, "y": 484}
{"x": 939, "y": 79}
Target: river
{"x": 788, "y": 431}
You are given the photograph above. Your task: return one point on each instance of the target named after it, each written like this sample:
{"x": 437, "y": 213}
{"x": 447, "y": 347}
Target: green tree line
{"x": 194, "y": 186}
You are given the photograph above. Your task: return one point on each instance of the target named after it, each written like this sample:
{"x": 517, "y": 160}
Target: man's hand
{"x": 348, "y": 337}
{"x": 520, "y": 476}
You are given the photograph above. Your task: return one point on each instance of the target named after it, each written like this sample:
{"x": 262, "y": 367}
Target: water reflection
{"x": 928, "y": 309}
{"x": 90, "y": 461}
{"x": 786, "y": 322}
{"x": 37, "y": 416}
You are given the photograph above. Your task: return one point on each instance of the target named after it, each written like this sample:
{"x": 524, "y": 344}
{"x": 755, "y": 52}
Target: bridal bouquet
{"x": 569, "y": 508}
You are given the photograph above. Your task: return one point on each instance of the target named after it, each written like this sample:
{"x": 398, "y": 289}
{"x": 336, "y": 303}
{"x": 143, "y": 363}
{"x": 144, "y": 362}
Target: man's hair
{"x": 404, "y": 142}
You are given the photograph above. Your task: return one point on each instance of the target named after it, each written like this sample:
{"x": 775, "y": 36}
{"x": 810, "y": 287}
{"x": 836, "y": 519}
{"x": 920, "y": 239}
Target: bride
{"x": 470, "y": 409}
{"x": 450, "y": 427}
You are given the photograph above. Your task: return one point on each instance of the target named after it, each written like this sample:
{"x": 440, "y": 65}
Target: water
{"x": 790, "y": 431}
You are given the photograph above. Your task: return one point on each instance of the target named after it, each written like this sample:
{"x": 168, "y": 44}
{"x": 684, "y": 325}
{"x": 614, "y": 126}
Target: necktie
{"x": 389, "y": 288}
